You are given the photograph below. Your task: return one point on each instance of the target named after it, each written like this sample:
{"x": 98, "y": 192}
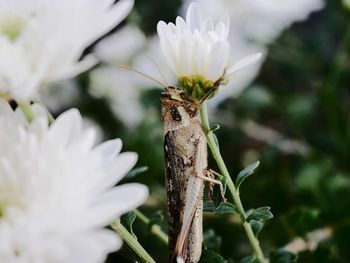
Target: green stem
{"x": 234, "y": 192}
{"x": 155, "y": 229}
{"x": 131, "y": 241}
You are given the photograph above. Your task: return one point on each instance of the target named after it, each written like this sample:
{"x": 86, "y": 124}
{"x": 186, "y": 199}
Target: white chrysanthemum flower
{"x": 43, "y": 40}
{"x": 57, "y": 190}
{"x": 197, "y": 50}
{"x": 253, "y": 25}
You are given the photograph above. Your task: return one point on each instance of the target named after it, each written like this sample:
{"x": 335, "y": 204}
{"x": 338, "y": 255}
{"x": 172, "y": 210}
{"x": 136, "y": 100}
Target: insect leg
{"x": 208, "y": 176}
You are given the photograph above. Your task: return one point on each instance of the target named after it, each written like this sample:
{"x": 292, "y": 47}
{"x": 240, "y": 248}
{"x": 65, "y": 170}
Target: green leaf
{"x": 223, "y": 208}
{"x": 127, "y": 221}
{"x": 282, "y": 256}
{"x": 249, "y": 259}
{"x": 156, "y": 218}
{"x": 209, "y": 206}
{"x": 256, "y": 226}
{"x": 210, "y": 240}
{"x": 215, "y": 127}
{"x": 249, "y": 170}
{"x": 302, "y": 220}
{"x": 260, "y": 214}
{"x": 226, "y": 208}
{"x": 136, "y": 171}
{"x": 209, "y": 256}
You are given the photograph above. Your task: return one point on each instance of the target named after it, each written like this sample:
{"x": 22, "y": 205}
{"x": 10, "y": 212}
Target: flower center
{"x": 8, "y": 199}
{"x": 196, "y": 87}
{"x": 11, "y": 27}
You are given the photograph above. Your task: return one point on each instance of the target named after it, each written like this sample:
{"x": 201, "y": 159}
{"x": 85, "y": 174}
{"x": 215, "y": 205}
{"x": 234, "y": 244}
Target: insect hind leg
{"x": 209, "y": 176}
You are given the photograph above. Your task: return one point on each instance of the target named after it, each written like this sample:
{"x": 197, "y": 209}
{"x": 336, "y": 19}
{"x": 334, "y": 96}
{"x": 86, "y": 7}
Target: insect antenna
{"x": 144, "y": 75}
{"x": 158, "y": 68}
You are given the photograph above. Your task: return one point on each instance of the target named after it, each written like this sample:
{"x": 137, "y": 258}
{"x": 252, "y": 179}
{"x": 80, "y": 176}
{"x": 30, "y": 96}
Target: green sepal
{"x": 196, "y": 88}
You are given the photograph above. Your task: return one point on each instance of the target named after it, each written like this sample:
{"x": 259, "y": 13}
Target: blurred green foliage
{"x": 303, "y": 93}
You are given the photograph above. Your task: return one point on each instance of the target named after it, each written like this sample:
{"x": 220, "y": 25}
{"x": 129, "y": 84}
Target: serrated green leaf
{"x": 244, "y": 174}
{"x": 256, "y": 226}
{"x": 136, "y": 171}
{"x": 223, "y": 208}
{"x": 282, "y": 256}
{"x": 127, "y": 220}
{"x": 209, "y": 256}
{"x": 260, "y": 214}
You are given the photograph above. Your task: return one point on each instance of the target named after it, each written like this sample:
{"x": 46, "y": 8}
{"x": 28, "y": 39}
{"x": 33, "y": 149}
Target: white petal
{"x": 5, "y": 107}
{"x": 119, "y": 168}
{"x": 245, "y": 62}
{"x": 120, "y": 10}
{"x": 116, "y": 202}
{"x": 207, "y": 25}
{"x": 193, "y": 16}
{"x": 88, "y": 62}
{"x": 93, "y": 247}
{"x": 181, "y": 24}
{"x": 66, "y": 127}
{"x": 223, "y": 27}
{"x": 109, "y": 149}
{"x": 217, "y": 60}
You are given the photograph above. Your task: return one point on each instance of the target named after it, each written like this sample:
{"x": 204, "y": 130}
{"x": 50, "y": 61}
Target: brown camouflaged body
{"x": 185, "y": 154}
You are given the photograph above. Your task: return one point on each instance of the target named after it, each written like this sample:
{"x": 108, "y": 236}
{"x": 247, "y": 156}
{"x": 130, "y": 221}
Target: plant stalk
{"x": 131, "y": 241}
{"x": 155, "y": 229}
{"x": 254, "y": 242}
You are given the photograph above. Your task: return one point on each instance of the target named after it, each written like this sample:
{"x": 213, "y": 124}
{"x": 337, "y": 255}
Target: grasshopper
{"x": 185, "y": 154}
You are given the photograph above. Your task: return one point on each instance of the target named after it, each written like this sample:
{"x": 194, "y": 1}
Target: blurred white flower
{"x": 60, "y": 95}
{"x": 272, "y": 17}
{"x": 198, "y": 48}
{"x": 57, "y": 190}
{"x": 121, "y": 46}
{"x": 120, "y": 89}
{"x": 42, "y": 41}
{"x": 259, "y": 20}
